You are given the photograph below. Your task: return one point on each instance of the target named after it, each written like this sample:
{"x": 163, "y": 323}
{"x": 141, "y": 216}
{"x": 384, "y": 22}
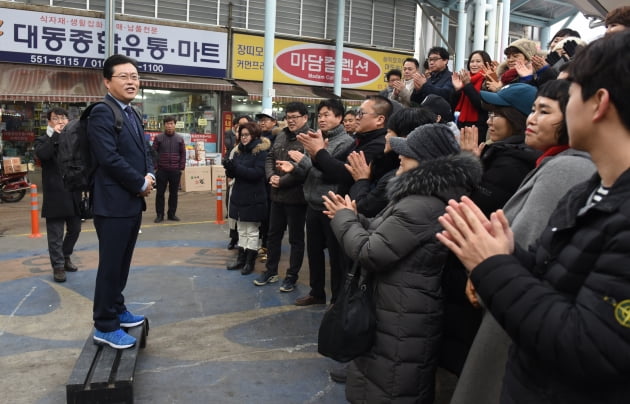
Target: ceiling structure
{"x": 537, "y": 13}
{"x": 596, "y": 8}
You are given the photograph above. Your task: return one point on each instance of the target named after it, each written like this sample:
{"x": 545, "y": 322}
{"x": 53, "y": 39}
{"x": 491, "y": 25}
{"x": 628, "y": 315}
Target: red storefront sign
{"x": 18, "y": 136}
{"x": 203, "y": 137}
{"x": 315, "y": 64}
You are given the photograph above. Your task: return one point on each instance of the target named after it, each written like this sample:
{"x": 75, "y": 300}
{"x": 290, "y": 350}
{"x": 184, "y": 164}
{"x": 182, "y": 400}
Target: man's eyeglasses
{"x": 59, "y": 118}
{"x": 293, "y": 117}
{"x": 434, "y": 59}
{"x": 360, "y": 113}
{"x": 125, "y": 77}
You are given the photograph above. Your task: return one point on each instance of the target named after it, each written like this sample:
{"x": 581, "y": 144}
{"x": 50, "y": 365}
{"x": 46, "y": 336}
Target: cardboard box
{"x": 218, "y": 172}
{"x": 197, "y": 179}
{"x": 12, "y": 165}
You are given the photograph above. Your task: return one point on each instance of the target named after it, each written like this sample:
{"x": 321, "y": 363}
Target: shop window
{"x": 22, "y": 122}
{"x": 196, "y": 113}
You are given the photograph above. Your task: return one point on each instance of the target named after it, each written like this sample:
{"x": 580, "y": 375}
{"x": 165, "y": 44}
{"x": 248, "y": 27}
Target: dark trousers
{"x": 59, "y": 246}
{"x": 116, "y": 242}
{"x": 264, "y": 224}
{"x": 162, "y": 179}
{"x": 281, "y": 216}
{"x": 319, "y": 237}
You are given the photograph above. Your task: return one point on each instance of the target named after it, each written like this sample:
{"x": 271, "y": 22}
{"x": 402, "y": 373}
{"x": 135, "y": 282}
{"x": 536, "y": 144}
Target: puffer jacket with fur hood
{"x": 399, "y": 249}
{"x": 248, "y": 200}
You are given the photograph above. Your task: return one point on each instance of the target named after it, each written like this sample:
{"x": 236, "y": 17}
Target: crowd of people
{"x": 488, "y": 206}
{"x": 377, "y": 194}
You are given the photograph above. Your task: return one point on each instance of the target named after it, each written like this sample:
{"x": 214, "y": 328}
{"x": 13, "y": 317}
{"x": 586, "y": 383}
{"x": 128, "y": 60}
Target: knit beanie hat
{"x": 524, "y": 46}
{"x": 426, "y": 142}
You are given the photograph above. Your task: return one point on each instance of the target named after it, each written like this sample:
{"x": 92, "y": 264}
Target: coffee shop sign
{"x": 315, "y": 64}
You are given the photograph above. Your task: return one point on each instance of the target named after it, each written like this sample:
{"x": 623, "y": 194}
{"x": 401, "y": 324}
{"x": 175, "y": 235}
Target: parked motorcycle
{"x": 13, "y": 186}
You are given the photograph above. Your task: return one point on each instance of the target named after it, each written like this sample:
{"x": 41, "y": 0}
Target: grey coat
{"x": 528, "y": 211}
{"x": 314, "y": 184}
{"x": 400, "y": 249}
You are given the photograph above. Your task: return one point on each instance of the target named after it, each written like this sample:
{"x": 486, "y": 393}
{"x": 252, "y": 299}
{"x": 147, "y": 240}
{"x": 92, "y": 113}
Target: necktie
{"x": 131, "y": 115}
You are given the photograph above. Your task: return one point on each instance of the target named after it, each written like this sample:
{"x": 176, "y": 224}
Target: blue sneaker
{"x": 130, "y": 320}
{"x": 116, "y": 339}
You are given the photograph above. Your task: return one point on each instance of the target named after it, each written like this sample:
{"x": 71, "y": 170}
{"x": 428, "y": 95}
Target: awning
{"x": 173, "y": 82}
{"x": 61, "y": 84}
{"x": 305, "y": 94}
{"x": 50, "y": 84}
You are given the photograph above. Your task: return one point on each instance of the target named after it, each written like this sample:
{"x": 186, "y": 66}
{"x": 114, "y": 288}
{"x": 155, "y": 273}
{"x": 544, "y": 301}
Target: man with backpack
{"x": 123, "y": 176}
{"x": 60, "y": 207}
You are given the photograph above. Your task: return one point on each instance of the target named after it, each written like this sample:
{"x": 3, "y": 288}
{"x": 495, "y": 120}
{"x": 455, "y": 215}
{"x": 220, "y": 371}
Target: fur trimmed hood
{"x": 443, "y": 177}
{"x": 255, "y": 147}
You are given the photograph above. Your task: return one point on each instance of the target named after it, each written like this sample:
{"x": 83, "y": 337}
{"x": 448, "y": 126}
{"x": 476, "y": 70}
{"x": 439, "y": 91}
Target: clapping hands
{"x": 471, "y": 236}
{"x": 469, "y": 140}
{"x": 312, "y": 141}
{"x": 523, "y": 68}
{"x": 460, "y": 79}
{"x": 358, "y": 167}
{"x": 419, "y": 80}
{"x": 493, "y": 83}
{"x": 335, "y": 202}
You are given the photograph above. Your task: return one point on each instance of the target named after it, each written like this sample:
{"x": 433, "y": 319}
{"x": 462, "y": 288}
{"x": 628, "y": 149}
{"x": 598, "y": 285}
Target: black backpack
{"x": 73, "y": 152}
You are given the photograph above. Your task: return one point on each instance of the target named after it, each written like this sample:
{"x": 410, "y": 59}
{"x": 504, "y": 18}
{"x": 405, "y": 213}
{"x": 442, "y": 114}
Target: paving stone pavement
{"x": 215, "y": 337}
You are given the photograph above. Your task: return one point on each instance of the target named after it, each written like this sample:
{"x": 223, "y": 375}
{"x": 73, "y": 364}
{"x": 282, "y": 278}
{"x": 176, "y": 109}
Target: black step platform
{"x": 103, "y": 374}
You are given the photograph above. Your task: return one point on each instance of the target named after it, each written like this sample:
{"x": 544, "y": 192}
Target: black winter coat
{"x": 58, "y": 202}
{"x": 440, "y": 83}
{"x": 248, "y": 198}
{"x": 399, "y": 248}
{"x": 333, "y": 168}
{"x": 505, "y": 164}
{"x": 290, "y": 189}
{"x": 566, "y": 305}
{"x": 371, "y": 194}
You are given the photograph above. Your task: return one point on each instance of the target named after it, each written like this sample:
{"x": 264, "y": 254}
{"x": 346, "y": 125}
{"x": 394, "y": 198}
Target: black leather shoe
{"x": 68, "y": 266}
{"x": 309, "y": 300}
{"x": 174, "y": 218}
{"x": 59, "y": 274}
{"x": 159, "y": 219}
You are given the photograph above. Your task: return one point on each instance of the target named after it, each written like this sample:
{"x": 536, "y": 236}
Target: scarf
{"x": 467, "y": 111}
{"x": 509, "y": 76}
{"x": 552, "y": 151}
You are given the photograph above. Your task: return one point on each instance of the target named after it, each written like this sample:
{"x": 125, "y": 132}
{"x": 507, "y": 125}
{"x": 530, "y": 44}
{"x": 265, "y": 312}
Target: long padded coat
{"x": 58, "y": 202}
{"x": 400, "y": 249}
{"x": 248, "y": 199}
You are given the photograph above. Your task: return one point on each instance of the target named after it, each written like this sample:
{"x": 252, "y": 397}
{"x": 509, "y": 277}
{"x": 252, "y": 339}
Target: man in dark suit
{"x": 123, "y": 177}
{"x": 60, "y": 207}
